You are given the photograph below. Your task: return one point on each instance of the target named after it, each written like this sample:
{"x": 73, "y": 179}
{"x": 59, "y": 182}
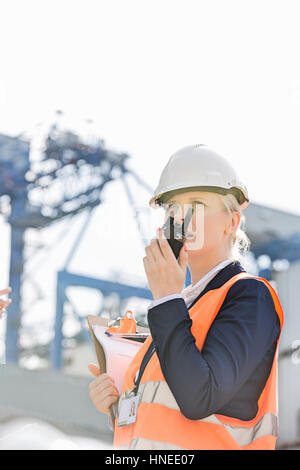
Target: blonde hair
{"x": 240, "y": 243}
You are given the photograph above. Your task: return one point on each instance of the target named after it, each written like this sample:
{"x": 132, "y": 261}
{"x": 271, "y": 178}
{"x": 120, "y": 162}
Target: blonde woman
{"x": 206, "y": 377}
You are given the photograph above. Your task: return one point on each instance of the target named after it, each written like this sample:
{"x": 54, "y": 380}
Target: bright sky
{"x": 157, "y": 75}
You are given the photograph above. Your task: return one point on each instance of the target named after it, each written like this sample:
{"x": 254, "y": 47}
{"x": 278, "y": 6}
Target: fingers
{"x": 157, "y": 252}
{"x": 107, "y": 401}
{"x": 103, "y": 402}
{"x": 150, "y": 249}
{"x": 102, "y": 381}
{"x": 94, "y": 369}
{"x": 5, "y": 303}
{"x": 3, "y": 306}
{"x": 164, "y": 245}
{"x": 103, "y": 392}
{"x": 146, "y": 264}
{"x": 5, "y": 291}
{"x": 99, "y": 387}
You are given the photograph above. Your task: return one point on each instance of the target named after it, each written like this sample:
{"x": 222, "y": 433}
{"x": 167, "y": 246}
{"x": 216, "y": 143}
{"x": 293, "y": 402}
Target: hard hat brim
{"x": 236, "y": 191}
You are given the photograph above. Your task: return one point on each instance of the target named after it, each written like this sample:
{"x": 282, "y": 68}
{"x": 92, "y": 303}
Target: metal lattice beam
{"x": 68, "y": 178}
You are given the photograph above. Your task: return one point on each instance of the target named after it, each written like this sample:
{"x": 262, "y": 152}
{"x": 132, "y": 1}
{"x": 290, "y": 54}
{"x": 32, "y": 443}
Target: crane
{"x": 67, "y": 178}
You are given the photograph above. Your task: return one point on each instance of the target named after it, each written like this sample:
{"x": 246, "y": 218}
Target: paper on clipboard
{"x": 114, "y": 353}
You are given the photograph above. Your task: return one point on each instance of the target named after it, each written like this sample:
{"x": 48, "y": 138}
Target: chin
{"x": 192, "y": 252}
{"x": 190, "y": 248}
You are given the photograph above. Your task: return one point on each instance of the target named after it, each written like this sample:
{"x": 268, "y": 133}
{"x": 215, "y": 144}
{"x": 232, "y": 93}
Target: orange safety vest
{"x": 160, "y": 423}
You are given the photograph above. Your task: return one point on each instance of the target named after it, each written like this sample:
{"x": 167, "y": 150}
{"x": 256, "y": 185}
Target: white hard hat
{"x": 198, "y": 168}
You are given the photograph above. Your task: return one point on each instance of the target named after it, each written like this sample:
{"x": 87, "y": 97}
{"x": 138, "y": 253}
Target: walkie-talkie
{"x": 174, "y": 232}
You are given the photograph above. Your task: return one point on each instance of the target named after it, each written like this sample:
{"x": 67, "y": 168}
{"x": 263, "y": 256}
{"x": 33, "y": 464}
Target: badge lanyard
{"x": 129, "y": 405}
{"x": 146, "y": 359}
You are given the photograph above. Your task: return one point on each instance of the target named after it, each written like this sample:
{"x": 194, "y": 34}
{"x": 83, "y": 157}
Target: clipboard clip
{"x": 127, "y": 324}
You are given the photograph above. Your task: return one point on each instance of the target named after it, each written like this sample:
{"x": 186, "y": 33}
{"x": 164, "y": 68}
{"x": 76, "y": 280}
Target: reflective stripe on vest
{"x": 160, "y": 423}
{"x": 160, "y": 393}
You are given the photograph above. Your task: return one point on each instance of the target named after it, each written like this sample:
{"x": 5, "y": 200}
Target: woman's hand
{"x": 4, "y": 303}
{"x": 103, "y": 390}
{"x": 165, "y": 274}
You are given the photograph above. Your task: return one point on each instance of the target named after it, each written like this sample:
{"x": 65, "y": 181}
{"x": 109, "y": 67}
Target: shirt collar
{"x": 208, "y": 275}
{"x": 216, "y": 280}
{"x": 190, "y": 292}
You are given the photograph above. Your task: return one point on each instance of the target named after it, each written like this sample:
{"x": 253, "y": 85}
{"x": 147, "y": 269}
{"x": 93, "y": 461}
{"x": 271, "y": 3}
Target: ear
{"x": 232, "y": 226}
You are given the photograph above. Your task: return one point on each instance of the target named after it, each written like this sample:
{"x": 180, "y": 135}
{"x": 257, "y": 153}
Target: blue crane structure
{"x": 68, "y": 178}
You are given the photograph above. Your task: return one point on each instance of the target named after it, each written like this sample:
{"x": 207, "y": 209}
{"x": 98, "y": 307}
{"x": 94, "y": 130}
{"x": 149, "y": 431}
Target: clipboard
{"x": 124, "y": 345}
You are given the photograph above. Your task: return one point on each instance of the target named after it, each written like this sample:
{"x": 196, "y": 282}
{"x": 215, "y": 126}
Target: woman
{"x": 4, "y": 303}
{"x": 206, "y": 377}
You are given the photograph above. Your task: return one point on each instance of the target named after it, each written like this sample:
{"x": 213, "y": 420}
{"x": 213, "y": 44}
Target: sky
{"x": 153, "y": 77}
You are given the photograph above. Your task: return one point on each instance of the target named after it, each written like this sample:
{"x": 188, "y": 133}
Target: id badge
{"x": 128, "y": 410}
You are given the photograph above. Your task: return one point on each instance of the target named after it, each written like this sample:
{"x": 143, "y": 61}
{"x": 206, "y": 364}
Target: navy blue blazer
{"x": 228, "y": 375}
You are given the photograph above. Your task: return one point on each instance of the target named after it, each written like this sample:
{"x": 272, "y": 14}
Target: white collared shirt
{"x": 190, "y": 293}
